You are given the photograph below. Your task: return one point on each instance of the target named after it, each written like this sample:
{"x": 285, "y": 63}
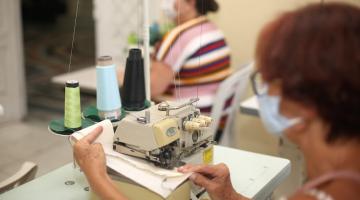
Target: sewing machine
{"x": 167, "y": 134}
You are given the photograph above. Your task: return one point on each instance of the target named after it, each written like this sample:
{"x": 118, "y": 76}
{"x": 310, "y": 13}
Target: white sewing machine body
{"x": 166, "y": 134}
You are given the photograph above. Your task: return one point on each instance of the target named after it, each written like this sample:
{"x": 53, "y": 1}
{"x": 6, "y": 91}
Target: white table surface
{"x": 250, "y": 106}
{"x": 86, "y": 78}
{"x": 253, "y": 175}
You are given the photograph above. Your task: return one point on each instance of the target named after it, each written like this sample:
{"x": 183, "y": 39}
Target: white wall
{"x": 12, "y": 79}
{"x": 241, "y": 20}
{"x": 114, "y": 21}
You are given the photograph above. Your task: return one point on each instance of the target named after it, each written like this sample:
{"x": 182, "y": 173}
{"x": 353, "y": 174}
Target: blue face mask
{"x": 274, "y": 122}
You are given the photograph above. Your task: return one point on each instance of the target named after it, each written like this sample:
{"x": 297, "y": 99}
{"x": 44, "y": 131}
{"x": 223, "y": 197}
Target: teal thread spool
{"x": 108, "y": 100}
{"x": 72, "y": 116}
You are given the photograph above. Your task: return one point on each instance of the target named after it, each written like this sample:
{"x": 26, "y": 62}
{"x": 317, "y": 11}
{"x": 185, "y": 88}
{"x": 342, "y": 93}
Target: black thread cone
{"x": 133, "y": 90}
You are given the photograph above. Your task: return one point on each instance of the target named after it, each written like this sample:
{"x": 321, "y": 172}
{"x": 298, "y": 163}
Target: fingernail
{"x": 192, "y": 177}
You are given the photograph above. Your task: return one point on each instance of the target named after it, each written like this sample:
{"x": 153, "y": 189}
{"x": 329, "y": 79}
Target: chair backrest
{"x": 232, "y": 89}
{"x": 26, "y": 173}
{"x": 1, "y": 110}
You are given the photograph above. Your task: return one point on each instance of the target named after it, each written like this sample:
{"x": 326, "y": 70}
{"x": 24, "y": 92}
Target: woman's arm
{"x": 91, "y": 159}
{"x": 161, "y": 77}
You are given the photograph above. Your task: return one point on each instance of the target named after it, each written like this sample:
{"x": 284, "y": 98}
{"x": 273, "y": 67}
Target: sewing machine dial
{"x": 171, "y": 131}
{"x": 195, "y": 136}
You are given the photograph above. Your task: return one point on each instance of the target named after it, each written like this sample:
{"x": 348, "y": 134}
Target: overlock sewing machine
{"x": 168, "y": 134}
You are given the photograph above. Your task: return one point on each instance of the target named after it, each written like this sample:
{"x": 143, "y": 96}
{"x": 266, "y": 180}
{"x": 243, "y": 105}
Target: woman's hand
{"x": 89, "y": 156}
{"x": 215, "y": 179}
{"x": 120, "y": 72}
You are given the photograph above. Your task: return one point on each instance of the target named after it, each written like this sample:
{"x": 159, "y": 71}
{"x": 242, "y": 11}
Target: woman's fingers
{"x": 201, "y": 180}
{"x": 203, "y": 169}
{"x": 185, "y": 168}
{"x": 91, "y": 137}
{"x": 98, "y": 147}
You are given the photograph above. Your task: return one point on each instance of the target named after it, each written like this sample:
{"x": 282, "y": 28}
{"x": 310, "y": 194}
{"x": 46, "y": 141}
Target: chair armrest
{"x": 1, "y": 110}
{"x": 26, "y": 173}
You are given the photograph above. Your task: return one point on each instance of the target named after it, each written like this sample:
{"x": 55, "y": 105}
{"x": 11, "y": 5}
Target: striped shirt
{"x": 199, "y": 56}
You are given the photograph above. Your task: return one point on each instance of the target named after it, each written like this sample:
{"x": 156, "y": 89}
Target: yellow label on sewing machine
{"x": 208, "y": 155}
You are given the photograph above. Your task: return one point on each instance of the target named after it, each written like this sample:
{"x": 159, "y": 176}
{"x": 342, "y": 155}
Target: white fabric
{"x": 160, "y": 181}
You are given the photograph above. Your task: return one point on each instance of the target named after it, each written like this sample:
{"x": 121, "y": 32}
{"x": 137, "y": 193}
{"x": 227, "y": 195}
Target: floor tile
{"x": 30, "y": 140}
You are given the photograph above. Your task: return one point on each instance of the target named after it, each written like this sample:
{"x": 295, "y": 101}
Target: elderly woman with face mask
{"x": 308, "y": 87}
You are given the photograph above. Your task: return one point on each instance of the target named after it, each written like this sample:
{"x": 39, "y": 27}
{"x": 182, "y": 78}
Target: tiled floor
{"x": 31, "y": 141}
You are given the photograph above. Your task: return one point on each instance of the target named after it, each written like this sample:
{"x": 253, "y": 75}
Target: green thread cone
{"x": 72, "y": 116}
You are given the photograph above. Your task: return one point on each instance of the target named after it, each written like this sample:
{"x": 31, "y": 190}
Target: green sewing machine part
{"x": 72, "y": 116}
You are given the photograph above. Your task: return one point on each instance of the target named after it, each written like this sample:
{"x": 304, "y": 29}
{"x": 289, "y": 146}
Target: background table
{"x": 250, "y": 106}
{"x": 253, "y": 175}
{"x": 86, "y": 78}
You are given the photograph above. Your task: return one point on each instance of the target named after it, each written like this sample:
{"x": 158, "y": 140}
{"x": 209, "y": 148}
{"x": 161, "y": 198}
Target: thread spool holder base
{"x": 57, "y": 127}
{"x": 92, "y": 113}
{"x": 90, "y": 117}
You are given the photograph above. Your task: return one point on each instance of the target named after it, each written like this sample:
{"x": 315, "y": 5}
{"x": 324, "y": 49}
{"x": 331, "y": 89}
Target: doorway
{"x": 47, "y": 32}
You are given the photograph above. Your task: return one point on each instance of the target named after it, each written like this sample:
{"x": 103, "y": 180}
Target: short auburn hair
{"x": 315, "y": 52}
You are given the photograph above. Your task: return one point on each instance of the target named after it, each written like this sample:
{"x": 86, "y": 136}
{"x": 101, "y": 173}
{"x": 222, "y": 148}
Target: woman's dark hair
{"x": 315, "y": 52}
{"x": 205, "y": 6}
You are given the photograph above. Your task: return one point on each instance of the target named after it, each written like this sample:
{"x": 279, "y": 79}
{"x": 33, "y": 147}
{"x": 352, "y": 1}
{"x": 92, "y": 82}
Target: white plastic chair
{"x": 26, "y": 173}
{"x": 1, "y": 110}
{"x": 234, "y": 86}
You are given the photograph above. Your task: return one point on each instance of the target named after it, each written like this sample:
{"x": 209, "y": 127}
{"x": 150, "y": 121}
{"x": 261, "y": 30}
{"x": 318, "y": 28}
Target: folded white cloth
{"x": 158, "y": 180}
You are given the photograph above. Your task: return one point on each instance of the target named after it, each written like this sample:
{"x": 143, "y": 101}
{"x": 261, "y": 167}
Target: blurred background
{"x": 35, "y": 44}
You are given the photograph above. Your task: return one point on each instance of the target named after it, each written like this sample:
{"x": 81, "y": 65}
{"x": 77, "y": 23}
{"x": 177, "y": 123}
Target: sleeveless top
{"x": 310, "y": 188}
{"x": 199, "y": 56}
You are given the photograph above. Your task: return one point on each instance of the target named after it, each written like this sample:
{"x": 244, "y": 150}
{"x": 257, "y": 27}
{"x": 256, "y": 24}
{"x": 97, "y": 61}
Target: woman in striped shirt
{"x": 193, "y": 58}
